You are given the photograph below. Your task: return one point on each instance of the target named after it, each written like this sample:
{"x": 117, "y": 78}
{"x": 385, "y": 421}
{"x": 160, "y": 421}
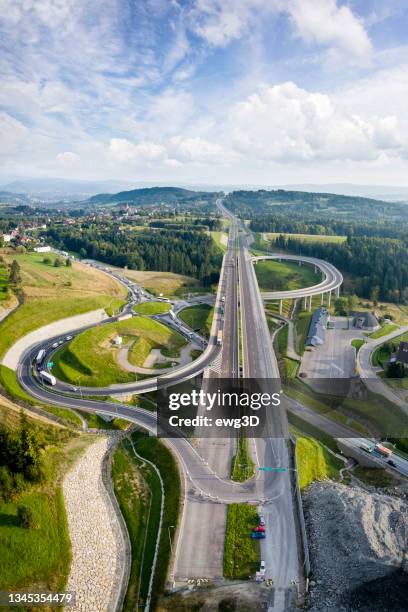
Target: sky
{"x": 205, "y": 91}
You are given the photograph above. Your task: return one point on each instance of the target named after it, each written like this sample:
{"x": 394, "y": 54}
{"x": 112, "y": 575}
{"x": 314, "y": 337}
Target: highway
{"x": 206, "y": 467}
{"x": 332, "y": 281}
{"x": 280, "y": 548}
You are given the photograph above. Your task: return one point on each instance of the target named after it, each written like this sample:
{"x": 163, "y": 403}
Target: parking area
{"x": 336, "y": 357}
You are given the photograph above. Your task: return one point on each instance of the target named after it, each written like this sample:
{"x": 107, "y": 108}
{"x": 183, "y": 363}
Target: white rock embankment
{"x": 99, "y": 547}
{"x": 63, "y": 326}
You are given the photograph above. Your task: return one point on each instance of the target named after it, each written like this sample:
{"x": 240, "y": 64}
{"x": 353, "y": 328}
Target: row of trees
{"x": 379, "y": 265}
{"x": 192, "y": 253}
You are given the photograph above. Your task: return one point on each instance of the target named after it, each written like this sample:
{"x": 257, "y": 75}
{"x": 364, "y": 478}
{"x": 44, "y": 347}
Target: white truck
{"x": 48, "y": 378}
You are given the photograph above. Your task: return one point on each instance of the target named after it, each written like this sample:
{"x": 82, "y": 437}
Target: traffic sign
{"x": 273, "y": 469}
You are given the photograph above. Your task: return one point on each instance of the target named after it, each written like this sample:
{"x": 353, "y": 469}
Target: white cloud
{"x": 325, "y": 23}
{"x": 126, "y": 151}
{"x": 68, "y": 159}
{"x": 286, "y": 123}
{"x": 12, "y": 133}
{"x": 196, "y": 150}
{"x": 320, "y": 22}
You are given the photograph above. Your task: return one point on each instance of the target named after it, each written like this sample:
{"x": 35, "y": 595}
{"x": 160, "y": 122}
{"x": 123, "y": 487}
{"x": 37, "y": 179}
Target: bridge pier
{"x": 321, "y": 299}
{"x": 337, "y": 292}
{"x": 310, "y": 303}
{"x": 328, "y": 299}
{"x": 280, "y": 307}
{"x": 305, "y": 303}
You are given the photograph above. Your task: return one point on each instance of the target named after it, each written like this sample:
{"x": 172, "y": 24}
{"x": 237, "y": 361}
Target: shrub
{"x": 26, "y": 516}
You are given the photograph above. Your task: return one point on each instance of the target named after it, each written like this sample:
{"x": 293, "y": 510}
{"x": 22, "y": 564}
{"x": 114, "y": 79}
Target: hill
{"x": 146, "y": 196}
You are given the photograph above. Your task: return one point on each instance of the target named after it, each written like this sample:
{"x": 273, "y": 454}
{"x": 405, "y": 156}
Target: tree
{"x": 14, "y": 276}
{"x": 395, "y": 370}
{"x": 26, "y": 516}
{"x": 352, "y": 301}
{"x": 82, "y": 253}
{"x": 47, "y": 261}
{"x": 68, "y": 263}
{"x": 57, "y": 262}
{"x": 375, "y": 292}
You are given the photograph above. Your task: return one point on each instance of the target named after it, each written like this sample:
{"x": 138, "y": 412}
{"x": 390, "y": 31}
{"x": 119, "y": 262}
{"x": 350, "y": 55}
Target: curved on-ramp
{"x": 332, "y": 280}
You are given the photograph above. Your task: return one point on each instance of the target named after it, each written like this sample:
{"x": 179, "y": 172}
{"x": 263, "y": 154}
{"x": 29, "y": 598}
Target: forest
{"x": 379, "y": 266}
{"x": 192, "y": 253}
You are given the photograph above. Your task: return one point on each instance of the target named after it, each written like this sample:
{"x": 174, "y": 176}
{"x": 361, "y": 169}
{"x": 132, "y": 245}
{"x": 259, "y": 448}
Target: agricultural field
{"x": 152, "y": 308}
{"x": 281, "y": 276}
{"x": 90, "y": 359}
{"x": 53, "y": 293}
{"x": 198, "y": 318}
{"x": 309, "y": 237}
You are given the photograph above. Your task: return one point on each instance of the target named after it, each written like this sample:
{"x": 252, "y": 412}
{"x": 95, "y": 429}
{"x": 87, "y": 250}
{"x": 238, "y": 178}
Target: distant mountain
{"x": 60, "y": 188}
{"x": 11, "y": 199}
{"x": 378, "y": 192}
{"x": 146, "y": 196}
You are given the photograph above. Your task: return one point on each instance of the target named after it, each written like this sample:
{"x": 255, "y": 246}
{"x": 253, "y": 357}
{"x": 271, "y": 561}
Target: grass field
{"x": 167, "y": 283}
{"x": 220, "y": 239}
{"x": 383, "y": 352}
{"x": 314, "y": 462}
{"x": 357, "y": 343}
{"x": 90, "y": 358}
{"x": 198, "y": 318}
{"x": 39, "y": 558}
{"x": 383, "y": 331}
{"x": 3, "y": 282}
{"x": 242, "y": 464}
{"x": 55, "y": 293}
{"x": 281, "y": 276}
{"x": 155, "y": 451}
{"x": 8, "y": 381}
{"x": 137, "y": 490}
{"x": 152, "y": 308}
{"x": 301, "y": 328}
{"x": 309, "y": 237}
{"x": 241, "y": 553}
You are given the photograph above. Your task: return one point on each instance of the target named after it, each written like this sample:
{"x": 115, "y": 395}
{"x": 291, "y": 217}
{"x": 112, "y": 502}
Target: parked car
{"x": 261, "y": 520}
{"x": 55, "y": 345}
{"x": 258, "y": 535}
{"x": 260, "y": 528}
{"x": 391, "y": 463}
{"x": 262, "y": 566}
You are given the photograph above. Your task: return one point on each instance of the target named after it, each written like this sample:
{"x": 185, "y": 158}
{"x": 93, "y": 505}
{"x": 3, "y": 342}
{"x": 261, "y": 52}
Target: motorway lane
{"x": 280, "y": 548}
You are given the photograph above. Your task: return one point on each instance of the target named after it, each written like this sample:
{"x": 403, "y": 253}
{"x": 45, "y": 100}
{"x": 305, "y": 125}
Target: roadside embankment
{"x": 99, "y": 545}
{"x": 357, "y": 542}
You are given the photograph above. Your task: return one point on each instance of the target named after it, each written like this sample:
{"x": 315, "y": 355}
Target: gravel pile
{"x": 358, "y": 549}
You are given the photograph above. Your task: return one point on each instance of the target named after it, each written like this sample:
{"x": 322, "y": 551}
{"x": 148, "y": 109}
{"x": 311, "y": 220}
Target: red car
{"x": 260, "y": 529}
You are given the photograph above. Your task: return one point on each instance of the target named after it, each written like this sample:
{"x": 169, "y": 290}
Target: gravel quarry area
{"x": 358, "y": 548}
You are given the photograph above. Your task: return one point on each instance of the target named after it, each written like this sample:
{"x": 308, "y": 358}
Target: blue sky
{"x": 224, "y": 91}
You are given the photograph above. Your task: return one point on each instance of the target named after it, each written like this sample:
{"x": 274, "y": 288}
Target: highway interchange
{"x": 206, "y": 468}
